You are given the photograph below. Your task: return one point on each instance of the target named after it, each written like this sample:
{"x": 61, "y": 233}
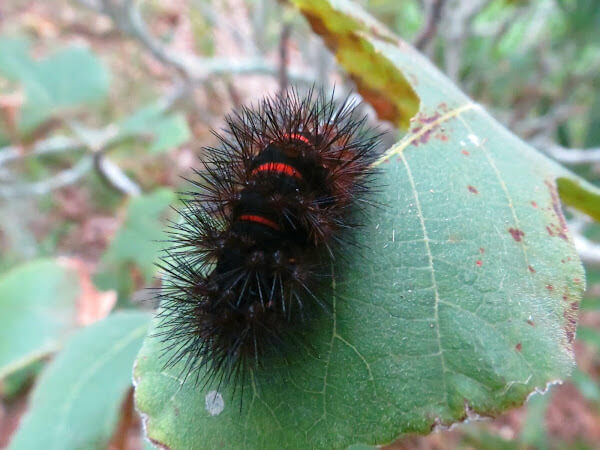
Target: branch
{"x": 589, "y": 251}
{"x": 95, "y": 142}
{"x": 571, "y": 156}
{"x": 127, "y": 17}
{"x": 458, "y": 16}
{"x": 433, "y": 15}
{"x": 114, "y": 176}
{"x": 546, "y": 125}
{"x": 64, "y": 178}
{"x": 284, "y": 56}
{"x": 56, "y": 144}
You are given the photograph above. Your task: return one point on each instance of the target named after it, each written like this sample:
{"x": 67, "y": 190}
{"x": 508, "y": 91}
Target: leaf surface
{"x": 77, "y": 399}
{"x": 68, "y": 78}
{"x": 37, "y": 300}
{"x": 168, "y": 130}
{"x": 462, "y": 299}
{"x": 137, "y": 243}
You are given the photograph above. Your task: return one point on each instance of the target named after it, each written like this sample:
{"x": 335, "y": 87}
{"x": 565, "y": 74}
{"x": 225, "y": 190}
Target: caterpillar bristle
{"x": 274, "y": 203}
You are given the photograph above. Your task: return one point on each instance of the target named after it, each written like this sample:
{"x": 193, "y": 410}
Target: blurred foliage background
{"x": 105, "y": 105}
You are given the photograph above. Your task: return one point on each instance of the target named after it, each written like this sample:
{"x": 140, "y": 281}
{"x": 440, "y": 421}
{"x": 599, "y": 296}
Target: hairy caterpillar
{"x": 274, "y": 203}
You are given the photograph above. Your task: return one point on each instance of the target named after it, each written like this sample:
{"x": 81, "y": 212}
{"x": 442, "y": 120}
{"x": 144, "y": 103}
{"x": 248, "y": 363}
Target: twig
{"x": 588, "y": 251}
{"x": 64, "y": 178}
{"x": 571, "y": 156}
{"x": 114, "y": 176}
{"x": 433, "y": 15}
{"x": 56, "y": 144}
{"x": 284, "y": 57}
{"x": 96, "y": 143}
{"x": 457, "y": 19}
{"x": 546, "y": 125}
{"x": 127, "y": 17}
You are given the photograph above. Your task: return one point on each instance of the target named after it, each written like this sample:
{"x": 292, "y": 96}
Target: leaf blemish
{"x": 561, "y": 229}
{"x": 425, "y": 120}
{"x": 516, "y": 234}
{"x": 531, "y": 269}
{"x": 518, "y": 347}
{"x": 472, "y": 189}
{"x": 214, "y": 403}
{"x": 479, "y": 263}
{"x": 571, "y": 318}
{"x": 465, "y": 152}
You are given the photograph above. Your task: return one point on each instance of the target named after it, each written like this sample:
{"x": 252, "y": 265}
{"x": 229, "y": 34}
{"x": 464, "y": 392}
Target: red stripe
{"x": 259, "y": 219}
{"x": 277, "y": 167}
{"x": 298, "y": 137}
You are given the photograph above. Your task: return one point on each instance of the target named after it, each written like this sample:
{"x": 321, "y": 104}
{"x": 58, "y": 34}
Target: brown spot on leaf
{"x": 549, "y": 287}
{"x": 561, "y": 228}
{"x": 479, "y": 263}
{"x": 428, "y": 119}
{"x": 530, "y": 322}
{"x": 516, "y": 234}
{"x": 531, "y": 269}
{"x": 570, "y": 316}
{"x": 431, "y": 130}
{"x": 465, "y": 152}
{"x": 481, "y": 250}
{"x": 534, "y": 204}
{"x": 518, "y": 347}
{"x": 472, "y": 189}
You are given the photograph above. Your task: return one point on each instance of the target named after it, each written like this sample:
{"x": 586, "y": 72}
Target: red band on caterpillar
{"x": 259, "y": 219}
{"x": 276, "y": 167}
{"x": 298, "y": 137}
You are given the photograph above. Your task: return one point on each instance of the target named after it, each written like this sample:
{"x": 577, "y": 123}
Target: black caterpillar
{"x": 276, "y": 200}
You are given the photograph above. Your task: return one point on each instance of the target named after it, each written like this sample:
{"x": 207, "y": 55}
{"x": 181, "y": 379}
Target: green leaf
{"x": 589, "y": 336}
{"x": 578, "y": 193}
{"x": 462, "y": 298}
{"x": 15, "y": 383}
{"x": 533, "y": 433}
{"x": 68, "y": 78}
{"x": 588, "y": 387}
{"x": 138, "y": 241}
{"x": 168, "y": 130}
{"x": 169, "y": 133}
{"x": 37, "y": 301}
{"x": 77, "y": 399}
{"x": 14, "y": 59}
